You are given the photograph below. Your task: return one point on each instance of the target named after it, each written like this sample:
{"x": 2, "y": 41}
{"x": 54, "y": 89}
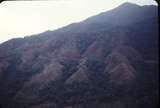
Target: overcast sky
{"x": 24, "y": 18}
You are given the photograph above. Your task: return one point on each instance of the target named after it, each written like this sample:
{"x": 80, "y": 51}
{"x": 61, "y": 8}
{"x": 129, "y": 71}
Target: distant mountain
{"x": 106, "y": 61}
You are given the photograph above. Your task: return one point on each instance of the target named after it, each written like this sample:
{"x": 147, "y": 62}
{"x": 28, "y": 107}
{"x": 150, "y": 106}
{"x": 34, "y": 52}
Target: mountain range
{"x": 109, "y": 60}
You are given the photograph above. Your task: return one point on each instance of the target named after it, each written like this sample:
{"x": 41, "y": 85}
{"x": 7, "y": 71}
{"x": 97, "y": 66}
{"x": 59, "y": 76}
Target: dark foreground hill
{"x": 107, "y": 61}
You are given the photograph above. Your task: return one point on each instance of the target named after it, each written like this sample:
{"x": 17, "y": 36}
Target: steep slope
{"x": 120, "y": 16}
{"x": 108, "y": 60}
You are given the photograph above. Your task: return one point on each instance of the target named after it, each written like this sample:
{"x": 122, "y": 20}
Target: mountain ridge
{"x": 100, "y": 59}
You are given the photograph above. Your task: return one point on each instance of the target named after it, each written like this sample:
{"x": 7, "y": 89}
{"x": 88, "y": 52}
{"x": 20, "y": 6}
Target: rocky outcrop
{"x": 51, "y": 72}
{"x": 96, "y": 51}
{"x": 81, "y": 75}
{"x": 122, "y": 73}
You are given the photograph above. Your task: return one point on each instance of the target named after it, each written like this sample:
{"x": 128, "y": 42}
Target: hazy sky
{"x": 24, "y": 18}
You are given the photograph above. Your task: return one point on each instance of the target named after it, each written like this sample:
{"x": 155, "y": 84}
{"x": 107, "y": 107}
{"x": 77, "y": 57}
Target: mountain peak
{"x": 128, "y": 5}
{"x": 124, "y": 14}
